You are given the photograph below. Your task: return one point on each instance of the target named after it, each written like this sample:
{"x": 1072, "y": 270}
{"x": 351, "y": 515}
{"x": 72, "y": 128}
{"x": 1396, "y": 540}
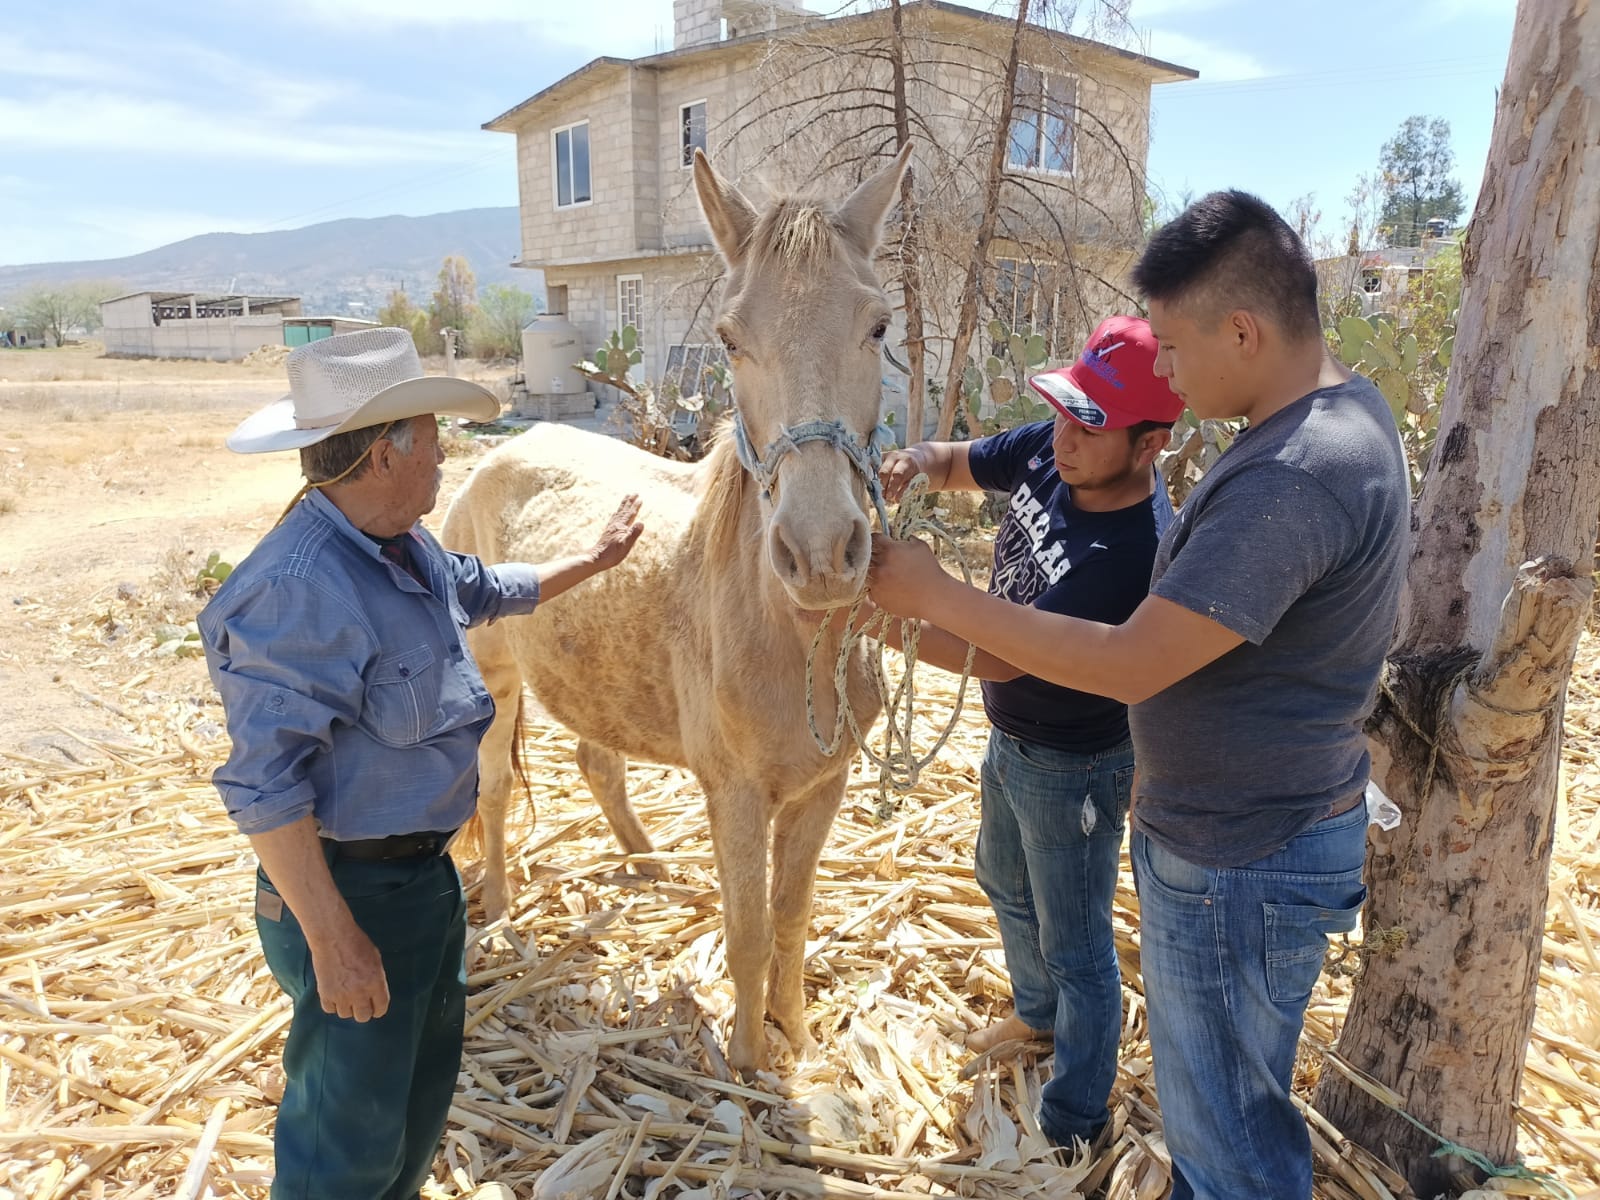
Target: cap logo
{"x": 1095, "y": 360}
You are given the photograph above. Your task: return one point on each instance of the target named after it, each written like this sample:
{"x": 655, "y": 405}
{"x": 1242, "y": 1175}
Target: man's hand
{"x": 904, "y": 577}
{"x": 619, "y": 535}
{"x": 350, "y": 976}
{"x": 899, "y": 468}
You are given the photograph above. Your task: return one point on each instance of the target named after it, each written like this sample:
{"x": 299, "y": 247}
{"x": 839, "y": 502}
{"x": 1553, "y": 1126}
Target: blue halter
{"x": 865, "y": 458}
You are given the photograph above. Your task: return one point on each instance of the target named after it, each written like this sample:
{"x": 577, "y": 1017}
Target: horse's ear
{"x": 726, "y": 211}
{"x": 860, "y": 217}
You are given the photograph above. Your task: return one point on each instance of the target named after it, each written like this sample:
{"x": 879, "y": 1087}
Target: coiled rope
{"x": 899, "y": 766}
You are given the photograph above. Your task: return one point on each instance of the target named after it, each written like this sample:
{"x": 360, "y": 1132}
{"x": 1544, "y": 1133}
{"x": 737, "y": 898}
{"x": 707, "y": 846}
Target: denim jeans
{"x": 364, "y": 1103}
{"x": 1229, "y": 958}
{"x": 1048, "y": 843}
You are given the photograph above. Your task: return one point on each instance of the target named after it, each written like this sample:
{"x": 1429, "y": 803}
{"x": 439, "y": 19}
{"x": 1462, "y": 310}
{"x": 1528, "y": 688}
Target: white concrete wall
{"x": 221, "y": 339}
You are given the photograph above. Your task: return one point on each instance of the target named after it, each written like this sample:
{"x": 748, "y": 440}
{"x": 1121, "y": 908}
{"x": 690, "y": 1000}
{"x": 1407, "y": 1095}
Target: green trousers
{"x": 365, "y": 1103}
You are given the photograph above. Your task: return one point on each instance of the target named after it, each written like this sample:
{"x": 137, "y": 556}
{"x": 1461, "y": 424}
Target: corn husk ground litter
{"x": 140, "y": 1032}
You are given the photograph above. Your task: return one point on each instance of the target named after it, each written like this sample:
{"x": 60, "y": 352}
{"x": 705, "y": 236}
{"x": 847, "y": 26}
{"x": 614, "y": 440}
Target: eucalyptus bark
{"x": 1467, "y": 732}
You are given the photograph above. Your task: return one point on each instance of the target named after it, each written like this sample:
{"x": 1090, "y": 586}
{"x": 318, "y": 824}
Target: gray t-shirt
{"x": 1296, "y": 540}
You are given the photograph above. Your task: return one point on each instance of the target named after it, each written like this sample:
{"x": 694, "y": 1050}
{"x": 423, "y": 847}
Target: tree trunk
{"x": 968, "y": 320}
{"x": 1467, "y": 734}
{"x": 910, "y": 251}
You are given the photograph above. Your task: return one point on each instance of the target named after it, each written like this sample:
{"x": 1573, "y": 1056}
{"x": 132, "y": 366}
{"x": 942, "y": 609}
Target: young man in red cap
{"x": 1078, "y": 538}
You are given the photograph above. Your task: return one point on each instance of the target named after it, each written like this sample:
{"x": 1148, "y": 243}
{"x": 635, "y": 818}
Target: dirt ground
{"x": 115, "y": 488}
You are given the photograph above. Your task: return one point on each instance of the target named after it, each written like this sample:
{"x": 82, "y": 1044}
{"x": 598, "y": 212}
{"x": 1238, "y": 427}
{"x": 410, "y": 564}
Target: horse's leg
{"x": 501, "y": 675}
{"x": 799, "y": 831}
{"x": 739, "y": 840}
{"x": 606, "y": 773}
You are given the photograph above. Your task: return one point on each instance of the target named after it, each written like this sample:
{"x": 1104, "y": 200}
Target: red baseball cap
{"x": 1113, "y": 384}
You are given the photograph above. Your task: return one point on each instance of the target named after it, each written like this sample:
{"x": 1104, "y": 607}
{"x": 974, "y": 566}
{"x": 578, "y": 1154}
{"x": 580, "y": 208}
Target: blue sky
{"x": 123, "y": 127}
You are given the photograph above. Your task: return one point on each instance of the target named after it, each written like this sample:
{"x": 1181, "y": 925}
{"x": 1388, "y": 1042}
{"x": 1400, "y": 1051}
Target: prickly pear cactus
{"x": 1387, "y": 352}
{"x": 1003, "y": 379}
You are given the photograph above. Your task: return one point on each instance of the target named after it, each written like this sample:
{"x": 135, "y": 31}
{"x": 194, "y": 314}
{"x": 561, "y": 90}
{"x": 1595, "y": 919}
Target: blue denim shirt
{"x": 349, "y": 690}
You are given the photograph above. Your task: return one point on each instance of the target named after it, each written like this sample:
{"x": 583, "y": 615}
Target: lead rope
{"x": 899, "y": 766}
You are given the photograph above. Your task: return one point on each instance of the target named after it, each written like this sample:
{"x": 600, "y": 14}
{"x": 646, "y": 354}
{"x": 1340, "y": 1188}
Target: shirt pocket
{"x": 402, "y": 696}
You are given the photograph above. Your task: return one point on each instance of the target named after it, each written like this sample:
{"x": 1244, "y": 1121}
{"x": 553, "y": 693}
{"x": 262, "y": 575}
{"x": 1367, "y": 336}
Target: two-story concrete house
{"x": 780, "y": 97}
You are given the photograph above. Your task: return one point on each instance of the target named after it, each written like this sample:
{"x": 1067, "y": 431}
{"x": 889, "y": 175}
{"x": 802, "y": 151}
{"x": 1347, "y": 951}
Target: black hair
{"x": 1140, "y": 428}
{"x": 1231, "y": 250}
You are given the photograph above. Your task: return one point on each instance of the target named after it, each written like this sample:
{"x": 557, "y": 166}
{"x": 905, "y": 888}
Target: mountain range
{"x": 332, "y": 266}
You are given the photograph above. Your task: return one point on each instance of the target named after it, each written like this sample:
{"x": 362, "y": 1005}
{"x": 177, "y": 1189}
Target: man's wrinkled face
{"x": 418, "y": 474}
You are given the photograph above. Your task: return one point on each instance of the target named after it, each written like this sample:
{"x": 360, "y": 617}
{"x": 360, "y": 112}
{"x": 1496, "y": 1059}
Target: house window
{"x": 1372, "y": 282}
{"x": 1041, "y": 121}
{"x": 630, "y": 303}
{"x": 692, "y": 130}
{"x": 1025, "y": 298}
{"x": 689, "y": 365}
{"x": 572, "y": 165}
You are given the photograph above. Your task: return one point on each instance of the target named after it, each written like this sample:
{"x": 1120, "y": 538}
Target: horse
{"x": 693, "y": 651}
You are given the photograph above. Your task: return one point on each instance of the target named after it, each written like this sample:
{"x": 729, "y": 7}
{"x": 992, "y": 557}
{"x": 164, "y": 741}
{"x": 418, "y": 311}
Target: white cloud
{"x": 621, "y": 28}
{"x": 1216, "y": 64}
{"x": 1144, "y": 10}
{"x": 119, "y": 123}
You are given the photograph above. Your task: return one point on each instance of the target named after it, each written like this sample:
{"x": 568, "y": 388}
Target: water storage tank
{"x": 550, "y": 345}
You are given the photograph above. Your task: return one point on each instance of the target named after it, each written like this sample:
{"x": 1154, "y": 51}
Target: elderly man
{"x": 1248, "y": 672}
{"x": 356, "y": 711}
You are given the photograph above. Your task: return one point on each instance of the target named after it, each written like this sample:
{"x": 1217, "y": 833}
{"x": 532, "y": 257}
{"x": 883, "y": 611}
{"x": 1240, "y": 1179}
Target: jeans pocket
{"x": 1177, "y": 878}
{"x": 1297, "y": 943}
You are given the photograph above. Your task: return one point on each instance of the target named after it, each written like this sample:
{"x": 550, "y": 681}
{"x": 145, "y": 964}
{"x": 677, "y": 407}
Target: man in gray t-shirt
{"x": 1249, "y": 670}
{"x": 1293, "y": 542}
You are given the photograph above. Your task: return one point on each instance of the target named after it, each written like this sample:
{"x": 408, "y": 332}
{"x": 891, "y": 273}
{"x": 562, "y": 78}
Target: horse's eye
{"x": 727, "y": 344}
{"x": 880, "y": 331}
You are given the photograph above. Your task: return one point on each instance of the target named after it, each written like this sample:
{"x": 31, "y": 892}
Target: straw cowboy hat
{"x": 353, "y": 381}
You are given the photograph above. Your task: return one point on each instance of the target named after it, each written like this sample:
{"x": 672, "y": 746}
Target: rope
{"x": 307, "y": 487}
{"x": 1446, "y": 1148}
{"x": 899, "y": 766}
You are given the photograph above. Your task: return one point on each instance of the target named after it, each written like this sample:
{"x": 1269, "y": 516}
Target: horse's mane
{"x": 722, "y": 487}
{"x": 794, "y": 230}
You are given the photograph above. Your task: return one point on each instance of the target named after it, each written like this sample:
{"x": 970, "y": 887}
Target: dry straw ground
{"x": 140, "y": 1031}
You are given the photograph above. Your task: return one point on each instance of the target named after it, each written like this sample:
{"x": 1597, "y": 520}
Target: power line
{"x": 453, "y": 172}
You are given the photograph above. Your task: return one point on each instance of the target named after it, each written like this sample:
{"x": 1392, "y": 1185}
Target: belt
{"x": 396, "y": 847}
{"x": 1343, "y": 806}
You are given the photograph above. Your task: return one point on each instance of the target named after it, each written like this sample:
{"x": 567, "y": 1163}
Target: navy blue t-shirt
{"x": 1052, "y": 555}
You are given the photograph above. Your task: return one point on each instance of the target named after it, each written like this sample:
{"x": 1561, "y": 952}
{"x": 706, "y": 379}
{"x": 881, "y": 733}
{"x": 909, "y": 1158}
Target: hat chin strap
{"x": 308, "y": 487}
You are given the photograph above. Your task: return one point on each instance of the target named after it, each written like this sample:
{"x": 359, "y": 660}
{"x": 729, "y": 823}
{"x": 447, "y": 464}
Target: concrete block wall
{"x": 696, "y": 22}
{"x": 604, "y": 227}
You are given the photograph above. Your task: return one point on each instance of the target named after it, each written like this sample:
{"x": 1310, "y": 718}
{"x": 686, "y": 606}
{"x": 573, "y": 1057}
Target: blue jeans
{"x": 1048, "y": 843}
{"x": 1229, "y": 958}
{"x": 364, "y": 1104}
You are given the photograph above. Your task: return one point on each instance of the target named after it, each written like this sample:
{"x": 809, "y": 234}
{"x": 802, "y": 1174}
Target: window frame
{"x": 638, "y": 325}
{"x": 1038, "y": 106}
{"x": 555, "y": 166}
{"x": 1044, "y": 289}
{"x": 686, "y": 152}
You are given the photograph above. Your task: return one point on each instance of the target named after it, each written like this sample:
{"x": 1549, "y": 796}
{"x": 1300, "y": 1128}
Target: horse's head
{"x": 803, "y": 319}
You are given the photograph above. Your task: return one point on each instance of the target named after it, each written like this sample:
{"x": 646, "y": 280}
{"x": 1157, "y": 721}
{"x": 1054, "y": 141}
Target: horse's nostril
{"x": 858, "y": 549}
{"x": 785, "y": 560}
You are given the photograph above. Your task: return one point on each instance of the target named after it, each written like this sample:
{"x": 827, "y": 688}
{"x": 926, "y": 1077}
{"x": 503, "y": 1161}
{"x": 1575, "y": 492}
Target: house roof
{"x": 1157, "y": 69}
{"x": 201, "y": 297}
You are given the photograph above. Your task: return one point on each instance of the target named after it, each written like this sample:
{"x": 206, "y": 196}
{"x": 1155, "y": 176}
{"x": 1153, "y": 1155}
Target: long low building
{"x": 194, "y": 325}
